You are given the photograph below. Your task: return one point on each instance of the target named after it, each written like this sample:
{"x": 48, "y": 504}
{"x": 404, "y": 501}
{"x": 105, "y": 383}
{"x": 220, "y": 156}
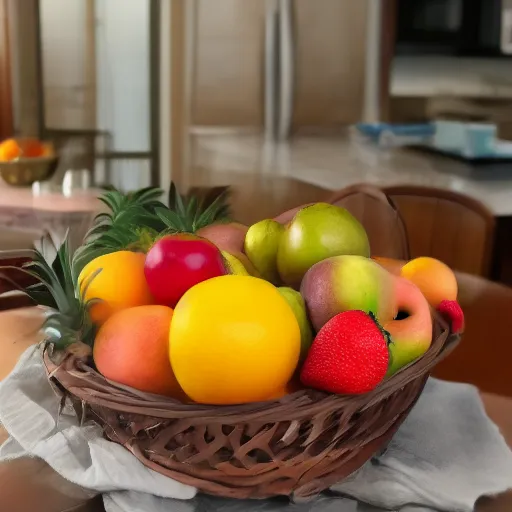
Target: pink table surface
{"x": 22, "y": 197}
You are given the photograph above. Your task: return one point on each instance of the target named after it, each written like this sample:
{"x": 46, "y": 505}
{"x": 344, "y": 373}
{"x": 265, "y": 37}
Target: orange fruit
{"x": 434, "y": 278}
{"x": 132, "y": 348}
{"x": 120, "y": 283}
{"x": 9, "y": 150}
{"x": 234, "y": 339}
{"x": 31, "y": 148}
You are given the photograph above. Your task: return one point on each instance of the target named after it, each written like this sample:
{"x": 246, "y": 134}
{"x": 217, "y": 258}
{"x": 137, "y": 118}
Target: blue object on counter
{"x": 386, "y": 134}
{"x": 470, "y": 140}
{"x": 374, "y": 130}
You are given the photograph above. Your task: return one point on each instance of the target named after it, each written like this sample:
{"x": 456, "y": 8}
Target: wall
{"x": 422, "y": 76}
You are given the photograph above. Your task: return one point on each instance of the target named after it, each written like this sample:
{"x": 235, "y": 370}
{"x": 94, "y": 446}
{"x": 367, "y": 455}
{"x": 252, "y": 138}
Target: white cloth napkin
{"x": 445, "y": 456}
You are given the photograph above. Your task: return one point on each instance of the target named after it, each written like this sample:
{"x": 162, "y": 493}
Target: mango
{"x": 343, "y": 283}
{"x": 315, "y": 233}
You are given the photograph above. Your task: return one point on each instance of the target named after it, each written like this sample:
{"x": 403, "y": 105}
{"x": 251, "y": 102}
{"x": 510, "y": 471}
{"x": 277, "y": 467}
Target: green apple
{"x": 315, "y": 233}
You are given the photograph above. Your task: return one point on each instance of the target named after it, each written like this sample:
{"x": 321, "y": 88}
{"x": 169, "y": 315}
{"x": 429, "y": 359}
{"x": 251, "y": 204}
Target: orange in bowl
{"x": 434, "y": 278}
{"x": 9, "y": 150}
{"x": 29, "y": 147}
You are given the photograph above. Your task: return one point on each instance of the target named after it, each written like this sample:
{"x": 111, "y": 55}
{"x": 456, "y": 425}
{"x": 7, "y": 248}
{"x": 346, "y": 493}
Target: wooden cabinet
{"x": 228, "y": 61}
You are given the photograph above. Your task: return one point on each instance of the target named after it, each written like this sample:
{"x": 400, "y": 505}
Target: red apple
{"x": 175, "y": 263}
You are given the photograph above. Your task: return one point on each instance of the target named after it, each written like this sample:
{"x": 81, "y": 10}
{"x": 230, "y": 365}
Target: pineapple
{"x": 188, "y": 214}
{"x": 137, "y": 220}
{"x": 134, "y": 221}
{"x": 67, "y": 321}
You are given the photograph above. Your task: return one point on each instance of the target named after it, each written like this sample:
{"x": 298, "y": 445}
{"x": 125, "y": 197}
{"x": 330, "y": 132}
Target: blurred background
{"x": 284, "y": 101}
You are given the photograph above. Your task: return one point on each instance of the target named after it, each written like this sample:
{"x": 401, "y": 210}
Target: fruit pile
{"x": 13, "y": 149}
{"x": 180, "y": 301}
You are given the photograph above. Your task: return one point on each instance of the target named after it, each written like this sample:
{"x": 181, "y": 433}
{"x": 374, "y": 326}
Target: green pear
{"x": 315, "y": 233}
{"x": 298, "y": 306}
{"x": 234, "y": 265}
{"x": 260, "y": 246}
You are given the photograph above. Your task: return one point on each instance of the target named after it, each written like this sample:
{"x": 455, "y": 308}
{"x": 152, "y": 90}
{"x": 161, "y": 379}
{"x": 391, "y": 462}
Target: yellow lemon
{"x": 233, "y": 339}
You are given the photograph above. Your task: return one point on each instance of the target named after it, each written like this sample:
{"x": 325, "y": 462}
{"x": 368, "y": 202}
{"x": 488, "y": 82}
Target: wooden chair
{"x": 446, "y": 225}
{"x": 379, "y": 216}
{"x": 16, "y": 246}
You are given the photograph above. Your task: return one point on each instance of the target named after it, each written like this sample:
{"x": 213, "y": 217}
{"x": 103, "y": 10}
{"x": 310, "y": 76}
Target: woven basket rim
{"x": 85, "y": 383}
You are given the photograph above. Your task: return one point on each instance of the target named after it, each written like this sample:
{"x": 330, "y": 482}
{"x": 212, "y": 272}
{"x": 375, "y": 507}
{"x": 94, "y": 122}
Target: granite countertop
{"x": 333, "y": 162}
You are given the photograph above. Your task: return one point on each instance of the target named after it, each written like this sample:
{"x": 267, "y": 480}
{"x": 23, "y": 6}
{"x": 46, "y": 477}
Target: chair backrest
{"x": 379, "y": 216}
{"x": 446, "y": 225}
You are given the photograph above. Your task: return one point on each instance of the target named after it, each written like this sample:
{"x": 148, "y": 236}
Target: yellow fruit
{"x": 234, "y": 340}
{"x": 435, "y": 279}
{"x": 119, "y": 285}
{"x": 234, "y": 265}
{"x": 9, "y": 150}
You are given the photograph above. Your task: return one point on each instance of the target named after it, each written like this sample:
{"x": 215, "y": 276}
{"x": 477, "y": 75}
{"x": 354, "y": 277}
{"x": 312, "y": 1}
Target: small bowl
{"x": 25, "y": 171}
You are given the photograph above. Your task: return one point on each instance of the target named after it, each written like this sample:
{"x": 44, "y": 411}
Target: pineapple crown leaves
{"x": 135, "y": 220}
{"x": 191, "y": 213}
{"x": 134, "y": 208}
{"x": 68, "y": 320}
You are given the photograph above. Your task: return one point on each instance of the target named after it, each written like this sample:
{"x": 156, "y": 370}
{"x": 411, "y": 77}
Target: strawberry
{"x": 349, "y": 355}
{"x": 451, "y": 311}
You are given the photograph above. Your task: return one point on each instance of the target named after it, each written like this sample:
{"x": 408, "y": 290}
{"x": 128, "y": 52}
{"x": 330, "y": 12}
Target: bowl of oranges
{"x": 246, "y": 361}
{"x": 24, "y": 161}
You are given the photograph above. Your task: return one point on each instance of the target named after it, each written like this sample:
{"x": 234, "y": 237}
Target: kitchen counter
{"x": 333, "y": 162}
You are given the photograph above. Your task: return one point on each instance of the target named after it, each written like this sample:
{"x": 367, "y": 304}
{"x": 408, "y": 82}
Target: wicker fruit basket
{"x": 297, "y": 446}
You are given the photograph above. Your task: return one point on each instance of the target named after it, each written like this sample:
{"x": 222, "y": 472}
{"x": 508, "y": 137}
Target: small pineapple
{"x": 136, "y": 220}
{"x": 67, "y": 321}
{"x": 133, "y": 221}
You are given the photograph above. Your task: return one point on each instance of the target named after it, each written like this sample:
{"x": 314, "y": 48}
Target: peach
{"x": 434, "y": 278}
{"x": 228, "y": 237}
{"x": 132, "y": 348}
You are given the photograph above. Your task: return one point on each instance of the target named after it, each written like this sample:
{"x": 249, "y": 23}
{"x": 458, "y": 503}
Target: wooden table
{"x": 27, "y": 485}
